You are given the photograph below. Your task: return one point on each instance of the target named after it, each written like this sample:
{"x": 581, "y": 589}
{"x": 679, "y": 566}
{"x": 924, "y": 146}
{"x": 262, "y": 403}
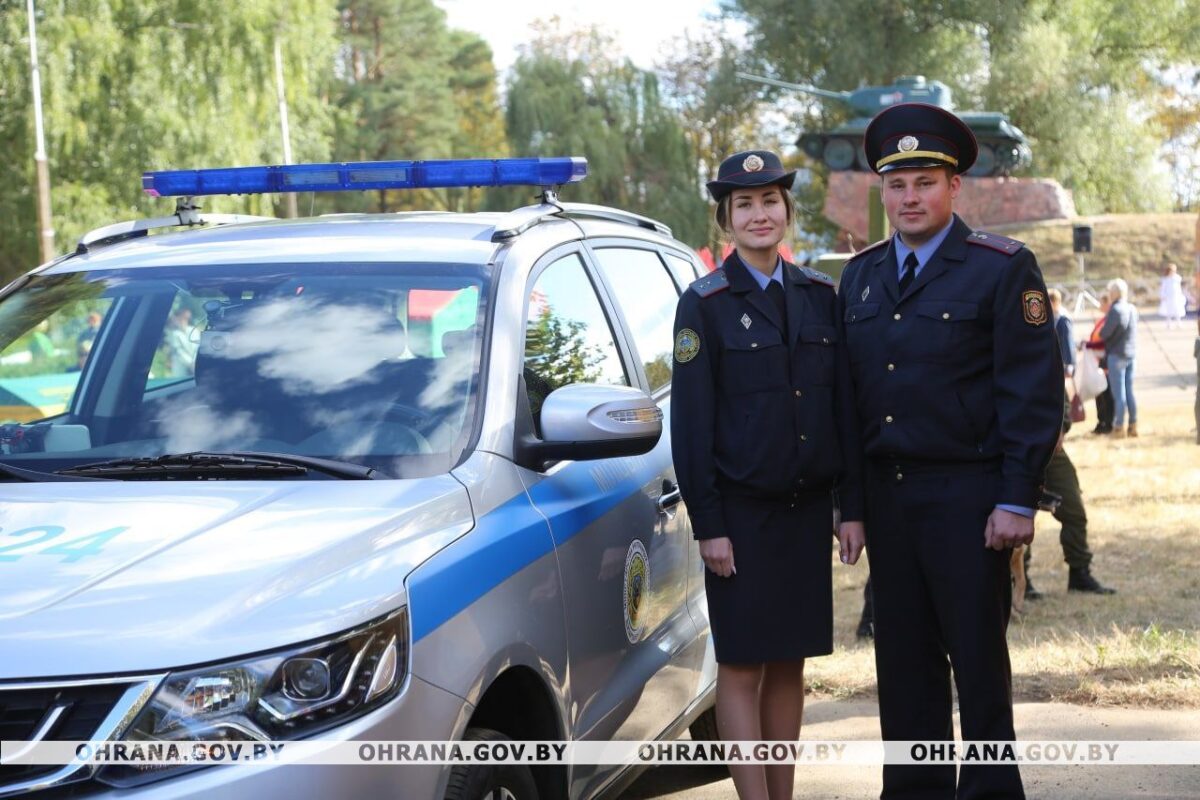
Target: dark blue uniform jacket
{"x": 752, "y": 414}
{"x": 965, "y": 367}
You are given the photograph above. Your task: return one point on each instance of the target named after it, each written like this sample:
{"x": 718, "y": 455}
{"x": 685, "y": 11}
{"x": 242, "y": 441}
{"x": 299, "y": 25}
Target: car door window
{"x": 568, "y": 338}
{"x": 683, "y": 270}
{"x": 648, "y": 297}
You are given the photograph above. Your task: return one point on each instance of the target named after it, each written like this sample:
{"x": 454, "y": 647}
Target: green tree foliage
{"x": 564, "y": 356}
{"x": 722, "y": 114}
{"x": 1078, "y": 76}
{"x": 413, "y": 88}
{"x": 132, "y": 85}
{"x": 567, "y": 96}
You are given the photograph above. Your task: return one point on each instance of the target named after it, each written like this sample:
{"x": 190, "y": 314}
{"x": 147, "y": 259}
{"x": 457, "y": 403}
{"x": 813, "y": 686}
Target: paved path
{"x": 857, "y": 720}
{"x": 1165, "y": 375}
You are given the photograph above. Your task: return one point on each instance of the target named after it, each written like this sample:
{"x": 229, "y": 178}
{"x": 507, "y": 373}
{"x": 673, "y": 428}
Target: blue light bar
{"x": 365, "y": 175}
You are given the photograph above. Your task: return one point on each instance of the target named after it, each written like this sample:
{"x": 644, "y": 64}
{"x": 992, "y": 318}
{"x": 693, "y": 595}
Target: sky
{"x": 642, "y": 29}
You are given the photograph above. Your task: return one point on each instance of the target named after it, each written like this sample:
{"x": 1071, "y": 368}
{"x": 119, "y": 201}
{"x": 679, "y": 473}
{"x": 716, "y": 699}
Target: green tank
{"x": 1003, "y": 149}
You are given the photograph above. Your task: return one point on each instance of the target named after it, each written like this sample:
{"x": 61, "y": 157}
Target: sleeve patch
{"x": 687, "y": 345}
{"x": 995, "y": 241}
{"x": 1034, "y": 304}
{"x": 711, "y": 283}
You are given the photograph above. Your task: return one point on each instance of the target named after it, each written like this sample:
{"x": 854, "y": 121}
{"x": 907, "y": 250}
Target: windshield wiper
{"x": 232, "y": 465}
{"x": 8, "y": 471}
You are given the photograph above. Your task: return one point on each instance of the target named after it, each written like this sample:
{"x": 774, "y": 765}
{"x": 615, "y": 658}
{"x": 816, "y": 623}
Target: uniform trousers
{"x": 1063, "y": 480}
{"x": 942, "y": 600}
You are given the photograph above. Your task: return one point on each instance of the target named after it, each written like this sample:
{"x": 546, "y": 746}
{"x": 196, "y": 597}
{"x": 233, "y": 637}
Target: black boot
{"x": 1030, "y": 592}
{"x": 1081, "y": 580}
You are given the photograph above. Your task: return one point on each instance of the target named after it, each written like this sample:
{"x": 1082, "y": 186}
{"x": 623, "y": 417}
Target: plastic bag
{"x": 1089, "y": 378}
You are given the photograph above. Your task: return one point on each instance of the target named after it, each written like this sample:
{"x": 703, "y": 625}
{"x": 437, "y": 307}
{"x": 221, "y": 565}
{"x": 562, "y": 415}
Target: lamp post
{"x": 285, "y": 133}
{"x": 45, "y": 220}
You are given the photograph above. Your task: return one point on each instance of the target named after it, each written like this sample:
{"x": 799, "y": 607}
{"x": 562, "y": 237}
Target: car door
{"x": 622, "y": 570}
{"x": 645, "y": 288}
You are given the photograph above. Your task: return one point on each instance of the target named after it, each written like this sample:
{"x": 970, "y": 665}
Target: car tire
{"x": 704, "y": 727}
{"x": 490, "y": 781}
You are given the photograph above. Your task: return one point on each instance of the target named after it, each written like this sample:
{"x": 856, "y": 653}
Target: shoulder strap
{"x": 994, "y": 241}
{"x": 710, "y": 284}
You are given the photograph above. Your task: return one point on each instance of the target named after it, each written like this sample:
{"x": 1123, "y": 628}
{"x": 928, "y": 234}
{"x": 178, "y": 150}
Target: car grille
{"x": 67, "y": 711}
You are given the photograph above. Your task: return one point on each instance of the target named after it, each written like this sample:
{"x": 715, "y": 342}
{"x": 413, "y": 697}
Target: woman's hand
{"x": 718, "y": 555}
{"x": 852, "y": 537}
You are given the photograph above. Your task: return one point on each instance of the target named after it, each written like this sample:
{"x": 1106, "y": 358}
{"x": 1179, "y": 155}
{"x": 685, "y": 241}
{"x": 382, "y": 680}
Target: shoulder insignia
{"x": 996, "y": 242}
{"x": 1033, "y": 304}
{"x": 816, "y": 276}
{"x": 870, "y": 248}
{"x": 711, "y": 283}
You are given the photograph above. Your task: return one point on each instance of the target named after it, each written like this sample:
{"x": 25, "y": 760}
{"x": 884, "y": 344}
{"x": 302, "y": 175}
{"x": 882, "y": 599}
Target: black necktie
{"x": 910, "y": 271}
{"x": 775, "y": 292}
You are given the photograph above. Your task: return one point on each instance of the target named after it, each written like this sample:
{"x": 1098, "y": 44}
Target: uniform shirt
{"x": 754, "y": 415}
{"x": 964, "y": 368}
{"x": 759, "y": 278}
{"x": 924, "y": 251}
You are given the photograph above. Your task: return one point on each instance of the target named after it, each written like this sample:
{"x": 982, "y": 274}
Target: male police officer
{"x": 958, "y": 387}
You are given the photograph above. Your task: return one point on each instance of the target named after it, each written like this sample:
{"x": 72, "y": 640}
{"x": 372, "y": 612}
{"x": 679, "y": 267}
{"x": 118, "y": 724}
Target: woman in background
{"x": 1172, "y": 302}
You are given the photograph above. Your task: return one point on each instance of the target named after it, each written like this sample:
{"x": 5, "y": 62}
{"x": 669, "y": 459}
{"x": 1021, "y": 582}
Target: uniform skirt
{"x": 779, "y": 605}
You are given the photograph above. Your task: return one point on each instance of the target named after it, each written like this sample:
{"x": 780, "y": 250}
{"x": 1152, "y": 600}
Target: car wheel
{"x": 490, "y": 781}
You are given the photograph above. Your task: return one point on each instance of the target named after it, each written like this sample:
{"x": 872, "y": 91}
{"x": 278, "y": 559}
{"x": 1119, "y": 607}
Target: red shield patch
{"x": 1035, "y": 307}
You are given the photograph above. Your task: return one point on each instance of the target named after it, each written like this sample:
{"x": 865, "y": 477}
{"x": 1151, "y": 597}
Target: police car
{"x": 357, "y": 477}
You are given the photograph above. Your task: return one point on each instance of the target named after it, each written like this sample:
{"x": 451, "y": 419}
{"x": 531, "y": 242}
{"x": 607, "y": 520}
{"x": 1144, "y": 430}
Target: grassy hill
{"x": 1123, "y": 245}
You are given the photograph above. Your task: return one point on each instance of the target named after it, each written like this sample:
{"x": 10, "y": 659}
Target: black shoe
{"x": 1081, "y": 580}
{"x": 866, "y": 629}
{"x": 1102, "y": 429}
{"x": 1030, "y": 592}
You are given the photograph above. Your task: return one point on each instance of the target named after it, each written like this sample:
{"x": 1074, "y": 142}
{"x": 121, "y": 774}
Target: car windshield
{"x": 374, "y": 364}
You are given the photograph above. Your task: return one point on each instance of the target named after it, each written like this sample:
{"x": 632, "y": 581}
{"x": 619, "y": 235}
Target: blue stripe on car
{"x": 514, "y": 535}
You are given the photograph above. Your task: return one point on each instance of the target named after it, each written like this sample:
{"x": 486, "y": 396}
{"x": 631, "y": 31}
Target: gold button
{"x": 891, "y": 367}
{"x": 888, "y": 419}
{"x": 946, "y": 315}
{"x": 799, "y": 393}
{"x": 897, "y": 316}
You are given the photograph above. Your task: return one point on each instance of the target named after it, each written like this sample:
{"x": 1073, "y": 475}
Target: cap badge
{"x": 908, "y": 144}
{"x": 753, "y": 164}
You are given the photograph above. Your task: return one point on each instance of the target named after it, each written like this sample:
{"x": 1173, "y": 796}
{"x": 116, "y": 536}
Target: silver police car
{"x": 355, "y": 477}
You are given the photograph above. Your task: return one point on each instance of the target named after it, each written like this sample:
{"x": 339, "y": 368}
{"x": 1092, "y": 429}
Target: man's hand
{"x": 718, "y": 555}
{"x": 1006, "y": 529}
{"x": 852, "y": 537}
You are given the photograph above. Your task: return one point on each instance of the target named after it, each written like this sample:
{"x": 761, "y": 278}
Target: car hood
{"x": 103, "y": 578}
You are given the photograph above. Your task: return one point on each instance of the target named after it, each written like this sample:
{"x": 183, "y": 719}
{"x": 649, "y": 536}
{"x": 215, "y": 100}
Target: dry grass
{"x": 1124, "y": 245}
{"x": 1140, "y": 647}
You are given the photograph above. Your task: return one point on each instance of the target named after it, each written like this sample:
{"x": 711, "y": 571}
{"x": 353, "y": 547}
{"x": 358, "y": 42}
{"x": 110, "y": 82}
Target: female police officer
{"x": 757, "y": 398}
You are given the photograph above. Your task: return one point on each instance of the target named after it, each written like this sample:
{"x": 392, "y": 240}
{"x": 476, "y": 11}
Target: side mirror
{"x": 585, "y": 421}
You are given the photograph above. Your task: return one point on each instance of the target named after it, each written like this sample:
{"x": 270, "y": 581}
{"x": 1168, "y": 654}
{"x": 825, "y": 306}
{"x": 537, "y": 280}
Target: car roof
{"x": 421, "y": 236}
{"x": 426, "y": 236}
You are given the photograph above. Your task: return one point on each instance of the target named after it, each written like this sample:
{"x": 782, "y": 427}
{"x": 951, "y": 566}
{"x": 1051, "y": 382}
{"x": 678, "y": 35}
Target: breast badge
{"x": 687, "y": 345}
{"x": 1035, "y": 307}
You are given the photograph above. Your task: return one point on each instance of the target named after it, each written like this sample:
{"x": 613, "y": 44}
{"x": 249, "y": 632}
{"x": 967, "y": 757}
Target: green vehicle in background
{"x": 1003, "y": 148}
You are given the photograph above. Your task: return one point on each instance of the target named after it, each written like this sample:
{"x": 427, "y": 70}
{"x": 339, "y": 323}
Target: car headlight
{"x": 288, "y": 694}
